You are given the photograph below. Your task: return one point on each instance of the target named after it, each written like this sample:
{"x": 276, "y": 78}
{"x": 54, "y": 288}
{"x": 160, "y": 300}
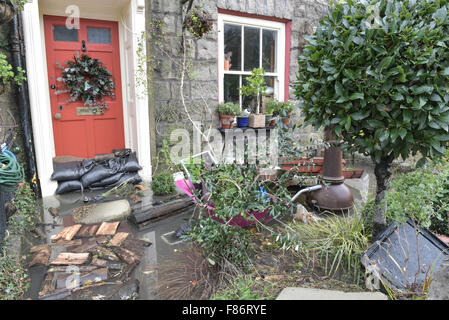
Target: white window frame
{"x": 279, "y": 86}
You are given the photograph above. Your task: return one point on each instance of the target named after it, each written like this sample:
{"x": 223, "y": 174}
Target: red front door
{"x": 75, "y": 132}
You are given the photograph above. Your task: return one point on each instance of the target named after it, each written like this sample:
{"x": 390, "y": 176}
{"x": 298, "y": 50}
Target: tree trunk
{"x": 383, "y": 174}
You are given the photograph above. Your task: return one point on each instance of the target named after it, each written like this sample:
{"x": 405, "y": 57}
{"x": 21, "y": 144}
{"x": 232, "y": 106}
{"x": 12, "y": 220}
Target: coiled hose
{"x": 11, "y": 173}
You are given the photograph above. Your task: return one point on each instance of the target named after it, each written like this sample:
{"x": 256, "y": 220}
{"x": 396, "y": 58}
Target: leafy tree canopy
{"x": 377, "y": 71}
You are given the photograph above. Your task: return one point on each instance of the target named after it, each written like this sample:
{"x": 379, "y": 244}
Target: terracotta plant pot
{"x": 227, "y": 121}
{"x": 227, "y": 65}
{"x": 287, "y": 120}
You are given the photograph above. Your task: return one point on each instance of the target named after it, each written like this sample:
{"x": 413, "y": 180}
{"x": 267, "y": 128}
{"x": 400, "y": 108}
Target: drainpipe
{"x": 23, "y": 101}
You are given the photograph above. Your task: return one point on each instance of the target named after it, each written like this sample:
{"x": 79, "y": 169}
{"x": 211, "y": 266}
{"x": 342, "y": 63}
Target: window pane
{"x": 233, "y": 47}
{"x": 62, "y": 33}
{"x": 231, "y": 88}
{"x": 95, "y": 35}
{"x": 252, "y": 48}
{"x": 269, "y": 50}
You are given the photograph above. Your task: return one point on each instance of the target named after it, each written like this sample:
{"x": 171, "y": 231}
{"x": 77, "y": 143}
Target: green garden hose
{"x": 11, "y": 173}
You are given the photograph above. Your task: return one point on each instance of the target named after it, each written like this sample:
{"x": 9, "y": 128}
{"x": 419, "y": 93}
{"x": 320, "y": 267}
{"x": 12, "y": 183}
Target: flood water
{"x": 160, "y": 234}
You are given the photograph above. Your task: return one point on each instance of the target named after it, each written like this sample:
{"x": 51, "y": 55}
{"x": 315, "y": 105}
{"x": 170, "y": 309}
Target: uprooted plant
{"x": 233, "y": 192}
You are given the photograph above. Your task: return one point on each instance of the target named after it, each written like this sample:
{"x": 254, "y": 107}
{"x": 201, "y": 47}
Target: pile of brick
{"x": 83, "y": 256}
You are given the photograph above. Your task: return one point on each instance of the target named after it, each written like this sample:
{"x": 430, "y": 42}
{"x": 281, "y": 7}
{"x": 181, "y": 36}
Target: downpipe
{"x": 23, "y": 102}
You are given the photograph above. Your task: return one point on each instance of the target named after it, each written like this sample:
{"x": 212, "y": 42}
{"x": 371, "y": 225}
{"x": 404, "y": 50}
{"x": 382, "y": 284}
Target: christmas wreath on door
{"x": 87, "y": 80}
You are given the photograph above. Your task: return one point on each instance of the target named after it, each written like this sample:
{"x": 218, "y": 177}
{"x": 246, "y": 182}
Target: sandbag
{"x": 131, "y": 164}
{"x": 69, "y": 186}
{"x": 107, "y": 181}
{"x": 75, "y": 173}
{"x": 99, "y": 172}
{"x": 134, "y": 178}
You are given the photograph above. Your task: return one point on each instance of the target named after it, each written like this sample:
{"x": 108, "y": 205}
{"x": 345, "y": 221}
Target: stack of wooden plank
{"x": 86, "y": 255}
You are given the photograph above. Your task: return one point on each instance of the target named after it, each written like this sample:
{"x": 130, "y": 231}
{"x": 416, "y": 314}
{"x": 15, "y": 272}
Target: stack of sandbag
{"x": 94, "y": 175}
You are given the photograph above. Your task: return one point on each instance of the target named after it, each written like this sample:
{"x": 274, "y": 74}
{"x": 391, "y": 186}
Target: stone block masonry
{"x": 202, "y": 82}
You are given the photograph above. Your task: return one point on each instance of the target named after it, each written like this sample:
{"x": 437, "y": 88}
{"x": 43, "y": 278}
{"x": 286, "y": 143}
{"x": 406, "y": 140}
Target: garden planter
{"x": 257, "y": 121}
{"x": 304, "y": 165}
{"x": 353, "y": 174}
{"x": 242, "y": 122}
{"x": 7, "y": 12}
{"x": 226, "y": 121}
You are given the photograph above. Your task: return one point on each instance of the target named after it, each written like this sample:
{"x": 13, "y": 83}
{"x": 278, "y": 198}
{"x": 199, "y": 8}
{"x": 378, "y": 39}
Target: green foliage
{"x": 240, "y": 289}
{"x": 7, "y": 74}
{"x": 255, "y": 84}
{"x": 337, "y": 241}
{"x": 275, "y": 107}
{"x": 198, "y": 22}
{"x": 28, "y": 207}
{"x": 87, "y": 80}
{"x": 163, "y": 184}
{"x": 19, "y": 4}
{"x": 13, "y": 278}
{"x": 229, "y": 108}
{"x": 378, "y": 72}
{"x": 421, "y": 195}
{"x": 234, "y": 190}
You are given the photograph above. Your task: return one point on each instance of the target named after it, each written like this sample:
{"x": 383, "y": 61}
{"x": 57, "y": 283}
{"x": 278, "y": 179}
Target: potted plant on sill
{"x": 255, "y": 86}
{"x": 285, "y": 110}
{"x": 243, "y": 119}
{"x": 270, "y": 113}
{"x": 227, "y": 112}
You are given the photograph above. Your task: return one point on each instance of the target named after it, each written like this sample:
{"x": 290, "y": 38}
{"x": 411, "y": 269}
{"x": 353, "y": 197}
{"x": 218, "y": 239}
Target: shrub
{"x": 376, "y": 73}
{"x": 163, "y": 184}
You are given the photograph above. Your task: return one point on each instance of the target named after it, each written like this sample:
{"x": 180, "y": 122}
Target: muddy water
{"x": 160, "y": 234}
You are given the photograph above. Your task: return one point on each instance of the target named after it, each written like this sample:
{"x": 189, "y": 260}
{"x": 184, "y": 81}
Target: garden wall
{"x": 202, "y": 85}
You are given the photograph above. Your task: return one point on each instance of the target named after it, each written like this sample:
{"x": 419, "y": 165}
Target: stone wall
{"x": 9, "y": 114}
{"x": 201, "y": 87}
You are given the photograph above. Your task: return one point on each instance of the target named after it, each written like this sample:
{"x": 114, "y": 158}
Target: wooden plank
{"x": 67, "y": 233}
{"x": 118, "y": 238}
{"x": 88, "y": 231}
{"x": 107, "y": 229}
{"x": 149, "y": 212}
{"x": 126, "y": 255}
{"x": 42, "y": 257}
{"x": 68, "y": 258}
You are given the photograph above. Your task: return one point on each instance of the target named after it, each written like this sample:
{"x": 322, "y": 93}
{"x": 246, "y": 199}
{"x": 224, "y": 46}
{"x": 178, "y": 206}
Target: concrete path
{"x": 292, "y": 293}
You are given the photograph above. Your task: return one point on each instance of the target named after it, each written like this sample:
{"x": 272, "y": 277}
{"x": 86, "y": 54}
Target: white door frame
{"x": 131, "y": 17}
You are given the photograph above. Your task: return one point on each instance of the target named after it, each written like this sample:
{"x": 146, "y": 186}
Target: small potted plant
{"x": 227, "y": 61}
{"x": 243, "y": 119}
{"x": 227, "y": 112}
{"x": 270, "y": 112}
{"x": 255, "y": 86}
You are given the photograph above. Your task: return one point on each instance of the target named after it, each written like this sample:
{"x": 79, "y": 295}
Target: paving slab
{"x": 108, "y": 211}
{"x": 293, "y": 293}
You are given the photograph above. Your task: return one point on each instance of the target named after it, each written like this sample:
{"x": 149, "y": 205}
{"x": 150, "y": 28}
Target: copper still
{"x": 334, "y": 195}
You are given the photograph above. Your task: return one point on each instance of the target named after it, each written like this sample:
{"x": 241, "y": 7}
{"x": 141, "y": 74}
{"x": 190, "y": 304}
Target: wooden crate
{"x": 256, "y": 121}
